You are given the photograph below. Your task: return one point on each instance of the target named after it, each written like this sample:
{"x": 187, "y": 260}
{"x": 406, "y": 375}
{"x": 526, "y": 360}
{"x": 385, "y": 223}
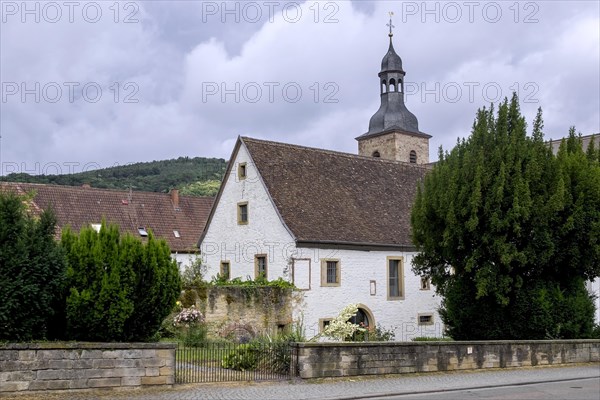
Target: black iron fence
{"x": 224, "y": 361}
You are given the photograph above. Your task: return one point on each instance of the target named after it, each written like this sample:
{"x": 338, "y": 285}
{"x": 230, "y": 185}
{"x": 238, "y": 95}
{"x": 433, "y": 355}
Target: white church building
{"x": 337, "y": 225}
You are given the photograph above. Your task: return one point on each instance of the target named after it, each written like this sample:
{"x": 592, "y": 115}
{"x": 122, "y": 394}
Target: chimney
{"x": 175, "y": 198}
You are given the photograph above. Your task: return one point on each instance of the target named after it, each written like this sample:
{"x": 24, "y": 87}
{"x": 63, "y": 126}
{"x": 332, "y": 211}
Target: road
{"x": 580, "y": 389}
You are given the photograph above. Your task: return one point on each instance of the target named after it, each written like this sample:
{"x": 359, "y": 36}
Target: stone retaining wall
{"x": 318, "y": 360}
{"x": 50, "y": 366}
{"x": 242, "y": 312}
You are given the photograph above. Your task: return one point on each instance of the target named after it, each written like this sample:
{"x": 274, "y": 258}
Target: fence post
{"x": 295, "y": 364}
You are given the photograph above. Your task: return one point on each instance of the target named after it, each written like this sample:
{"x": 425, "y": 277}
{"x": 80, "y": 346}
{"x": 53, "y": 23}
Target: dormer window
{"x": 376, "y": 154}
{"x": 413, "y": 157}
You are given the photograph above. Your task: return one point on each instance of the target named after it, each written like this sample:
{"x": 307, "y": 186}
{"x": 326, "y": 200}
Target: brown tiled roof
{"x": 338, "y": 198}
{"x": 82, "y": 206}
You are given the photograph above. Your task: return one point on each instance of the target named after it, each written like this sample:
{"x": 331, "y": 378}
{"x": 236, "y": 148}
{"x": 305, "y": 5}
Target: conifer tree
{"x": 591, "y": 152}
{"x": 32, "y": 271}
{"x": 120, "y": 289}
{"x": 509, "y": 233}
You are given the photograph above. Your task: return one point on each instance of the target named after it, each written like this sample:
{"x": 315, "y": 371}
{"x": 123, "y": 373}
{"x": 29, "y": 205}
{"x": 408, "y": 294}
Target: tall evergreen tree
{"x": 120, "y": 289}
{"x": 32, "y": 271}
{"x": 591, "y": 152}
{"x": 509, "y": 233}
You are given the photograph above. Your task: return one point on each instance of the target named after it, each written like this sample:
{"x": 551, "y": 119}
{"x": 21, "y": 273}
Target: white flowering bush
{"x": 340, "y": 327}
{"x": 188, "y": 316}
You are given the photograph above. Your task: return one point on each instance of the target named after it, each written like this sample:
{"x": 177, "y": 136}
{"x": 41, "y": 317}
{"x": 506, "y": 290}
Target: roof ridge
{"x": 110, "y": 190}
{"x": 336, "y": 153}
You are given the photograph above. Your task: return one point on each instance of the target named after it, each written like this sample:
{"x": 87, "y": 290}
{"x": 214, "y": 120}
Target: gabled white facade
{"x": 363, "y": 273}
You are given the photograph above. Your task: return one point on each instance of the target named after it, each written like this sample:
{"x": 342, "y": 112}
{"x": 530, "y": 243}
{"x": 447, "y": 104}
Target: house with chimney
{"x": 335, "y": 224}
{"x": 179, "y": 220}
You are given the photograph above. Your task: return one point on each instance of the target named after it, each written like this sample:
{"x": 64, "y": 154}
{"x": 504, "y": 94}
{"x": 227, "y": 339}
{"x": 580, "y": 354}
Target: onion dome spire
{"x": 392, "y": 114}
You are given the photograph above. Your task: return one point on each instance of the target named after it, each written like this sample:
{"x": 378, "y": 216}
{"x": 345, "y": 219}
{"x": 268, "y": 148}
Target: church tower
{"x": 393, "y": 130}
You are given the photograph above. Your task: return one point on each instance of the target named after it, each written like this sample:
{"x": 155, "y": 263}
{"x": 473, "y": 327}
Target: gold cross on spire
{"x": 390, "y": 24}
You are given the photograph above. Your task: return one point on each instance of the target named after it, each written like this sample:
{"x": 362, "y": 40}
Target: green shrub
{"x": 188, "y": 297}
{"x": 119, "y": 288}
{"x": 380, "y": 334}
{"x": 431, "y": 339}
{"x": 32, "y": 273}
{"x": 193, "y": 275}
{"x": 244, "y": 358}
{"x": 595, "y": 332}
{"x": 167, "y": 329}
{"x": 540, "y": 310}
{"x": 193, "y": 336}
{"x": 260, "y": 281}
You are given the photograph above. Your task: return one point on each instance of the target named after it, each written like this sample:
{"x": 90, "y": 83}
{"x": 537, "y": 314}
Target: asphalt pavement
{"x": 580, "y": 389}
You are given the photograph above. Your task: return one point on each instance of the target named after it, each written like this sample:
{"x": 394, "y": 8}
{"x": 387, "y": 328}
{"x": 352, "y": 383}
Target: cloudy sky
{"x": 90, "y": 85}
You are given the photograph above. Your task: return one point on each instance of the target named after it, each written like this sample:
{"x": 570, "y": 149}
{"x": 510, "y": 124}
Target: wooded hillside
{"x": 183, "y": 173}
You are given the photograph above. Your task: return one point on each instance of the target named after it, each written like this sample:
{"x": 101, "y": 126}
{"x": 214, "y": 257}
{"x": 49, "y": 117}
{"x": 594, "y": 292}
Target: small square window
{"x": 323, "y": 323}
{"x": 242, "y": 213}
{"x": 425, "y": 319}
{"x": 260, "y": 266}
{"x": 425, "y": 284}
{"x": 225, "y": 270}
{"x": 242, "y": 171}
{"x": 330, "y": 272}
{"x": 143, "y": 232}
{"x": 176, "y": 234}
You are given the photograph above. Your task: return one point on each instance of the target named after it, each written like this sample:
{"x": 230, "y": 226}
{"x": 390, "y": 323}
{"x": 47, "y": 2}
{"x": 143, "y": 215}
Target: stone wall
{"x": 51, "y": 366}
{"x": 406, "y": 142}
{"x": 243, "y": 312}
{"x": 396, "y": 146}
{"x": 318, "y": 360}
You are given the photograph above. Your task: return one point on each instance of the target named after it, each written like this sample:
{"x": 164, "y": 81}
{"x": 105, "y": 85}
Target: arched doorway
{"x": 364, "y": 317}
